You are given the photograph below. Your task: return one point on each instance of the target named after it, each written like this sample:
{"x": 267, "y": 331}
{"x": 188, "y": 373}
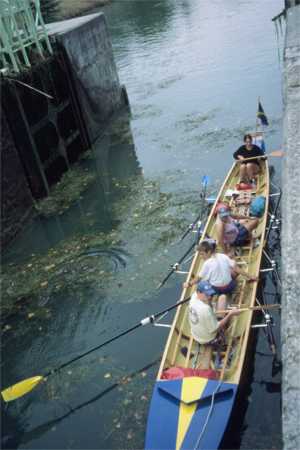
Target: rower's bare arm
{"x": 223, "y": 322}
{"x": 243, "y": 217}
{"x": 191, "y": 283}
{"x": 240, "y": 271}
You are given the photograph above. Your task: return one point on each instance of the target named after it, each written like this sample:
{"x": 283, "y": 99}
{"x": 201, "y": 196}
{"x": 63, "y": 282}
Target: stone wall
{"x": 290, "y": 331}
{"x": 16, "y": 199}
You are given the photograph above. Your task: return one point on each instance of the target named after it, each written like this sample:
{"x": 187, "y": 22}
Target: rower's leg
{"x": 252, "y": 170}
{"x": 206, "y": 357}
{"x": 221, "y": 305}
{"x": 243, "y": 173}
{"x": 250, "y": 224}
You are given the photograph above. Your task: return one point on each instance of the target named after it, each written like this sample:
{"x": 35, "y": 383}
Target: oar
{"x": 175, "y": 266}
{"x": 250, "y": 308}
{"x": 275, "y": 153}
{"x": 23, "y": 387}
{"x": 276, "y": 364}
{"x": 205, "y": 181}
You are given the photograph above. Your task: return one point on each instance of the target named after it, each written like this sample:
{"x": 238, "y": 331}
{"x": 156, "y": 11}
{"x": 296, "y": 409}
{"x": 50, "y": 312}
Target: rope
{"x": 212, "y": 403}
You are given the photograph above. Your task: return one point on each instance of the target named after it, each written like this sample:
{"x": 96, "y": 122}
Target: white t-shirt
{"x": 202, "y": 319}
{"x": 217, "y": 270}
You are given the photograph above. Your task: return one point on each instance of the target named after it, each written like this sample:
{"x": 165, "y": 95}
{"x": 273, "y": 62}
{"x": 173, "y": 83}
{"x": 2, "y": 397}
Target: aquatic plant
{"x": 148, "y": 225}
{"x": 72, "y": 184}
{"x": 50, "y": 10}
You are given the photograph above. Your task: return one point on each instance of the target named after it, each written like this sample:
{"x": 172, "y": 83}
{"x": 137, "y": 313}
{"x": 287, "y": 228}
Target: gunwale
{"x": 225, "y": 375}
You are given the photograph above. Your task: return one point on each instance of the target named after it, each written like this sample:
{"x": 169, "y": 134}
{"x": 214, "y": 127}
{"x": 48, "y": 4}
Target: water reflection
{"x": 113, "y": 158}
{"x": 141, "y": 17}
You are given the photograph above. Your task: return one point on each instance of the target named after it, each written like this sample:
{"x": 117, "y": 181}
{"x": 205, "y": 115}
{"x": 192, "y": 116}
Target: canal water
{"x": 193, "y": 71}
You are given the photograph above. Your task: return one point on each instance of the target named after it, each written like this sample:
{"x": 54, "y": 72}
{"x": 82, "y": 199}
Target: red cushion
{"x": 175, "y": 373}
{"x": 244, "y": 187}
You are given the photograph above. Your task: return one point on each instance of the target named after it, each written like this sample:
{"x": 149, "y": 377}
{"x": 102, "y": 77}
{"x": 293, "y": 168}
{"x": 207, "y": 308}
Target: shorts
{"x": 219, "y": 290}
{"x": 243, "y": 235}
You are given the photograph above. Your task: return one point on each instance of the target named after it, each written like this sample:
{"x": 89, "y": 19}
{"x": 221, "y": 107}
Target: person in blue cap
{"x": 203, "y": 321}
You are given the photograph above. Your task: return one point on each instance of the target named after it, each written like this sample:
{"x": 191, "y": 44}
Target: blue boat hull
{"x": 181, "y": 416}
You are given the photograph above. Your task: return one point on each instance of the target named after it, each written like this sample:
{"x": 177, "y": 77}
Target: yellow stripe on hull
{"x": 191, "y": 388}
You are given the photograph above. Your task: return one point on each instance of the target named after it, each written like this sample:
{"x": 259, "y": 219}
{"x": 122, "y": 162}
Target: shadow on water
{"x": 15, "y": 434}
{"x": 113, "y": 158}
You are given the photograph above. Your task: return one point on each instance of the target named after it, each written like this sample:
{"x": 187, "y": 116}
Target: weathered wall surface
{"x": 291, "y": 235}
{"x": 87, "y": 44}
{"x": 50, "y": 134}
{"x": 16, "y": 199}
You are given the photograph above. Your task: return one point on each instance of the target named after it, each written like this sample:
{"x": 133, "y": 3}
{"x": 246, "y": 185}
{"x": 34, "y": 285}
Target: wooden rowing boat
{"x": 192, "y": 412}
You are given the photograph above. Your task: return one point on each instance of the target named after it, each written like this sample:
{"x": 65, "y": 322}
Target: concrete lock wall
{"x": 87, "y": 44}
{"x": 290, "y": 331}
{"x": 43, "y": 137}
{"x": 48, "y": 133}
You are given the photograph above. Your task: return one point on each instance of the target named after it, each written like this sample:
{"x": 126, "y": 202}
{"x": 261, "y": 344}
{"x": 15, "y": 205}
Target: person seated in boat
{"x": 218, "y": 269}
{"x": 248, "y": 169}
{"x": 203, "y": 321}
{"x": 234, "y": 230}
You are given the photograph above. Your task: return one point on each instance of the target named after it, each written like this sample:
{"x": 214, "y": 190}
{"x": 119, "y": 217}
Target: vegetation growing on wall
{"x": 50, "y": 10}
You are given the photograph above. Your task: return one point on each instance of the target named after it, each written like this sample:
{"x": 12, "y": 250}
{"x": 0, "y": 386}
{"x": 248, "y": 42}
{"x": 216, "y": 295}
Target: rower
{"x": 203, "y": 321}
{"x": 218, "y": 269}
{"x": 233, "y": 230}
{"x": 248, "y": 169}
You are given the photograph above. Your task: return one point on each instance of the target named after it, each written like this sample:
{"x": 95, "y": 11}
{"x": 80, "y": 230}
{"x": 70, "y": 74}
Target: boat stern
{"x": 189, "y": 413}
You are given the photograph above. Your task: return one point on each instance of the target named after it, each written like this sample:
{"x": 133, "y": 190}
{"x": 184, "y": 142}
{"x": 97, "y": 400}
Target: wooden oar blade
{"x": 277, "y": 153}
{"x": 19, "y": 389}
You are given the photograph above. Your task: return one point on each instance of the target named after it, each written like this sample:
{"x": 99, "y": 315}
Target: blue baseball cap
{"x": 206, "y": 288}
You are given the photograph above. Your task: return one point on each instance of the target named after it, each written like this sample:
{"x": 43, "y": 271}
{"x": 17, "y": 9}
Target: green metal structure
{"x": 23, "y": 35}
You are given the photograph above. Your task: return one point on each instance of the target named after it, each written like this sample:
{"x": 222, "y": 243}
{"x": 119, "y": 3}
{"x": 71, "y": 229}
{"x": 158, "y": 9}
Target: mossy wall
{"x": 16, "y": 198}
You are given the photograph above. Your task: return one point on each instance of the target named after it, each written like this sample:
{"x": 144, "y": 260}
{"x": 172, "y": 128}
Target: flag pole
{"x": 256, "y": 124}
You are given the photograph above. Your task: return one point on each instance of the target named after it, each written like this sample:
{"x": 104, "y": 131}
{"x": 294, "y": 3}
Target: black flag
{"x": 261, "y": 115}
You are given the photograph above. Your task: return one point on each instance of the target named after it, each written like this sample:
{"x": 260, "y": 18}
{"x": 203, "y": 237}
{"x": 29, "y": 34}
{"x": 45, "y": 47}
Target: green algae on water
{"x": 69, "y": 189}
